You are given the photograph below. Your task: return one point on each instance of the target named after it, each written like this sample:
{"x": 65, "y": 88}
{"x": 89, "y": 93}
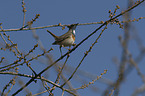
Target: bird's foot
{"x": 74, "y": 44}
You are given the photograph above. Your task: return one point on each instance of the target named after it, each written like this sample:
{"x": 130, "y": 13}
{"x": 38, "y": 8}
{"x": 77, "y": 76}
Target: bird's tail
{"x": 56, "y": 37}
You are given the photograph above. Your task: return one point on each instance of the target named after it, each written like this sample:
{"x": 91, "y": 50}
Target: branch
{"x": 42, "y": 78}
{"x": 105, "y": 23}
{"x": 57, "y": 25}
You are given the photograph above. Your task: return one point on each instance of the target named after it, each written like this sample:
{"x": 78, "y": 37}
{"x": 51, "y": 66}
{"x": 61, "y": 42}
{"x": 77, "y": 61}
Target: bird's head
{"x": 73, "y": 26}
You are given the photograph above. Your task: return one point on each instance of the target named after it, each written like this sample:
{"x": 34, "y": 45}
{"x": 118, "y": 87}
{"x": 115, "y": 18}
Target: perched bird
{"x": 67, "y": 39}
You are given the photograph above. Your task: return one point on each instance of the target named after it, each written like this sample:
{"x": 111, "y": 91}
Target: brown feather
{"x": 55, "y": 37}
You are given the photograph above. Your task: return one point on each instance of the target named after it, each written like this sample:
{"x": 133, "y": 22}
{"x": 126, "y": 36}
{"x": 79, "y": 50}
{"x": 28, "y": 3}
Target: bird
{"x": 67, "y": 39}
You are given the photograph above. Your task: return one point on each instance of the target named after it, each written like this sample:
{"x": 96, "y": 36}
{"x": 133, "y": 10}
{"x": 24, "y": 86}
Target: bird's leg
{"x": 60, "y": 50}
{"x": 74, "y": 44}
{"x": 69, "y": 48}
{"x": 65, "y": 47}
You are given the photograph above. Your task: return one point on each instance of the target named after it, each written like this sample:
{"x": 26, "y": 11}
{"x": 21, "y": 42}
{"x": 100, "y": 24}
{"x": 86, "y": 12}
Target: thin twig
{"x": 31, "y": 80}
{"x": 41, "y": 78}
{"x": 58, "y": 76}
{"x": 85, "y": 56}
{"x": 24, "y": 11}
{"x": 57, "y": 25}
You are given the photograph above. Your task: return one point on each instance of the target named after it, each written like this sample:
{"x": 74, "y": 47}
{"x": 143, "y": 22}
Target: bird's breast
{"x": 69, "y": 41}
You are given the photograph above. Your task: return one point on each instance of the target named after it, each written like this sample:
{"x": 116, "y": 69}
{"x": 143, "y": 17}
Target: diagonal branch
{"x": 105, "y": 23}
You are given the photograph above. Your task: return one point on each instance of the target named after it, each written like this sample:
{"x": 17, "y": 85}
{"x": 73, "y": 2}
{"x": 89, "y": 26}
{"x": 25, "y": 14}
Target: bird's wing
{"x": 67, "y": 34}
{"x": 60, "y": 39}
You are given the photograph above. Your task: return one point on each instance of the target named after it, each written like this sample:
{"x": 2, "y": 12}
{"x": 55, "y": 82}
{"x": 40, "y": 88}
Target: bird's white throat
{"x": 74, "y": 32}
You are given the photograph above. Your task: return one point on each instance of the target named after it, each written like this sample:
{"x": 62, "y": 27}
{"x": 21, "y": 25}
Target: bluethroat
{"x": 66, "y": 39}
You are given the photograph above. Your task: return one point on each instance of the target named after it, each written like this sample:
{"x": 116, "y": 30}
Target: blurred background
{"x": 119, "y": 51}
